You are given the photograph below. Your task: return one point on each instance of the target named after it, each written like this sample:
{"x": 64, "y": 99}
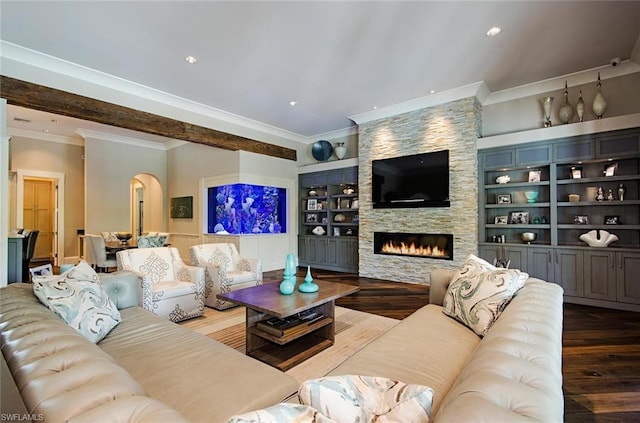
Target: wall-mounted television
{"x": 418, "y": 180}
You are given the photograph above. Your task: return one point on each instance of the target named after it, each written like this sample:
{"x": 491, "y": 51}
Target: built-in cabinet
{"x": 328, "y": 220}
{"x": 558, "y": 190}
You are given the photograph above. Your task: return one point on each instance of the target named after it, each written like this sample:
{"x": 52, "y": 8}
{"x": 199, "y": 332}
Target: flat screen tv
{"x": 419, "y": 180}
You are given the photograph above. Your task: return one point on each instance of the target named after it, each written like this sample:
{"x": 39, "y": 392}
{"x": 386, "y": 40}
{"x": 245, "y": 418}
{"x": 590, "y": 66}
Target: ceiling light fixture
{"x": 191, "y": 60}
{"x": 494, "y": 31}
{"x": 293, "y": 103}
{"x": 432, "y": 91}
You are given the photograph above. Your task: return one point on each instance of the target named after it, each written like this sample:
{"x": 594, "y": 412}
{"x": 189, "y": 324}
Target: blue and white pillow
{"x": 283, "y": 412}
{"x": 366, "y": 399}
{"x": 78, "y": 298}
{"x": 479, "y": 292}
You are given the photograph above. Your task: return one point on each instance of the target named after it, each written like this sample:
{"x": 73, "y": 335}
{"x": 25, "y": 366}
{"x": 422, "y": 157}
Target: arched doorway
{"x": 146, "y": 204}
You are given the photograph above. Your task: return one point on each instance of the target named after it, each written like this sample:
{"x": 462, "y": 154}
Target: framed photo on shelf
{"x": 611, "y": 169}
{"x": 501, "y": 220}
{"x": 612, "y": 220}
{"x": 519, "y": 218}
{"x": 576, "y": 172}
{"x": 581, "y": 220}
{"x": 312, "y": 218}
{"x": 534, "y": 176}
{"x": 503, "y": 199}
{"x": 336, "y": 231}
{"x": 312, "y": 204}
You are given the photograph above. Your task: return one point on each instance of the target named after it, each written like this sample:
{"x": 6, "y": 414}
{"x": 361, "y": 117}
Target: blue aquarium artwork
{"x": 247, "y": 209}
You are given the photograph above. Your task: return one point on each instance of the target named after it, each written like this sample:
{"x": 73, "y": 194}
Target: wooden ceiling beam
{"x": 39, "y": 97}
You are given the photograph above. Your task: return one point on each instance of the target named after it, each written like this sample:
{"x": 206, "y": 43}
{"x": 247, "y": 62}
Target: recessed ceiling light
{"x": 375, "y": 107}
{"x": 432, "y": 91}
{"x": 293, "y": 103}
{"x": 494, "y": 31}
{"x": 190, "y": 59}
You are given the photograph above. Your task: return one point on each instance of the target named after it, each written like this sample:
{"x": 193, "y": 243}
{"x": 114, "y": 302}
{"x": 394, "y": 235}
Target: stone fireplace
{"x": 434, "y": 246}
{"x": 453, "y": 126}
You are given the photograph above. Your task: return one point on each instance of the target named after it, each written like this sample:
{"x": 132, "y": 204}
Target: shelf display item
{"x": 528, "y": 237}
{"x": 621, "y": 191}
{"x": 322, "y": 150}
{"x": 503, "y": 179}
{"x": 598, "y": 238}
{"x": 580, "y": 107}
{"x": 546, "y": 107}
{"x": 339, "y": 218}
{"x": 599, "y": 102}
{"x": 600, "y": 194}
{"x": 531, "y": 196}
{"x": 318, "y": 230}
{"x": 565, "y": 112}
{"x": 340, "y": 150}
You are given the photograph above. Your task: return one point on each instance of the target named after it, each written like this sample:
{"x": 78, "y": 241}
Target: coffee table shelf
{"x": 296, "y": 332}
{"x": 284, "y": 357}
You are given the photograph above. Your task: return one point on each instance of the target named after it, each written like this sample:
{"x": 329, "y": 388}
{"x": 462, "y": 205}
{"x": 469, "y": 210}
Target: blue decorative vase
{"x": 287, "y": 286}
{"x": 308, "y": 285}
{"x": 290, "y": 267}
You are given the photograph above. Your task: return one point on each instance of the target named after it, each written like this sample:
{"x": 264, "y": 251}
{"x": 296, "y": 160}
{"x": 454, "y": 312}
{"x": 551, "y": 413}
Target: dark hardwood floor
{"x": 601, "y": 347}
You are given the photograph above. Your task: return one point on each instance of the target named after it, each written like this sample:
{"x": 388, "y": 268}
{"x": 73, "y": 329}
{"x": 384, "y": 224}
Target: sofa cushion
{"x": 284, "y": 412}
{"x": 194, "y": 374}
{"x": 77, "y": 297}
{"x": 479, "y": 292}
{"x": 360, "y": 399}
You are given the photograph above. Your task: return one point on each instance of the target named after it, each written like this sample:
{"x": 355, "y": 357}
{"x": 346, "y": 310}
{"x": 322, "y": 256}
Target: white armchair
{"x": 168, "y": 287}
{"x": 225, "y": 271}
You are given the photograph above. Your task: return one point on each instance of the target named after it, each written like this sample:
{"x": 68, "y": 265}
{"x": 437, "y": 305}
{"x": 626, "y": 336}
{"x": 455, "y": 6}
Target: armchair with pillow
{"x": 225, "y": 271}
{"x": 169, "y": 287}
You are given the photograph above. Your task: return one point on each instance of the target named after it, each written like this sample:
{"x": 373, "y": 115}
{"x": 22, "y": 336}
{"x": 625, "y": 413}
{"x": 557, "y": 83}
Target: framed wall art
{"x": 181, "y": 208}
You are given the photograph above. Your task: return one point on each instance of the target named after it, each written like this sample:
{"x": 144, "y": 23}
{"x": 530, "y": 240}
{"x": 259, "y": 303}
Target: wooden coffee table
{"x": 296, "y": 344}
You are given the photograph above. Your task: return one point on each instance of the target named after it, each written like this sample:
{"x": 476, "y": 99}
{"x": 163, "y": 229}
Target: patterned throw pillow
{"x": 361, "y": 399}
{"x": 78, "y": 298}
{"x": 479, "y": 292}
{"x": 283, "y": 412}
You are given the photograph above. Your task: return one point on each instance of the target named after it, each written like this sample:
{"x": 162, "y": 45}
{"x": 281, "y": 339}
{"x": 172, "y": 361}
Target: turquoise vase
{"x": 290, "y": 267}
{"x": 308, "y": 285}
{"x": 287, "y": 286}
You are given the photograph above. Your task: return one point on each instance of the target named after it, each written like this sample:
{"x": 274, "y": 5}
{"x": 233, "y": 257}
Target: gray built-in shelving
{"x": 329, "y": 200}
{"x": 599, "y": 276}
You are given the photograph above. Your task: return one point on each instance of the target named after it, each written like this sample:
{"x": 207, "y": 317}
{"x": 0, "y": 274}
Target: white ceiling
{"x": 335, "y": 58}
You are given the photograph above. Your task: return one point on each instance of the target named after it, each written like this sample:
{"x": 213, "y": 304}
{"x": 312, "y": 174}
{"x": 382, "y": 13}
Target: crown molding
{"x": 332, "y": 135}
{"x": 177, "y": 107}
{"x": 44, "y": 136}
{"x": 557, "y": 83}
{"x": 471, "y": 90}
{"x": 89, "y": 133}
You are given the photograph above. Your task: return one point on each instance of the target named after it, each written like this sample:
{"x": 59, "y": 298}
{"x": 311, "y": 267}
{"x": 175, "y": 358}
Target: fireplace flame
{"x": 413, "y": 250}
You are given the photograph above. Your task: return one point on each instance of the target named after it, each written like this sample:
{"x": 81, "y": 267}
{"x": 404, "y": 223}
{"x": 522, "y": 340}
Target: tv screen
{"x": 419, "y": 180}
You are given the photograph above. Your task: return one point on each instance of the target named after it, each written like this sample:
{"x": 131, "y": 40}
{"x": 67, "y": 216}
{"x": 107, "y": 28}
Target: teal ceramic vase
{"x": 290, "y": 267}
{"x": 308, "y": 285}
{"x": 287, "y": 286}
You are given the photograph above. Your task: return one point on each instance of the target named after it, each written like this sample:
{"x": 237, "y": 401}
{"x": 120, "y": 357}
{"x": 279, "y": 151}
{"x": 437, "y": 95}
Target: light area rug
{"x": 354, "y": 330}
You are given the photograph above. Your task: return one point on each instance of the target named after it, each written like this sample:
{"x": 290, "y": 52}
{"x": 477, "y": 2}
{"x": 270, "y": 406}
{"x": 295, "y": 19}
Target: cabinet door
{"x": 569, "y": 270}
{"x": 536, "y": 155}
{"x": 517, "y": 256}
{"x": 628, "y": 281}
{"x": 600, "y": 275}
{"x": 540, "y": 264}
{"x": 577, "y": 149}
{"x": 625, "y": 143}
{"x": 498, "y": 159}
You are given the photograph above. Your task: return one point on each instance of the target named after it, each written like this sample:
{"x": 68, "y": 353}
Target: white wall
{"x": 109, "y": 168}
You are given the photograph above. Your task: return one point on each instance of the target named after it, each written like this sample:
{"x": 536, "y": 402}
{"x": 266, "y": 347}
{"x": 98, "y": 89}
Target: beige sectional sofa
{"x": 146, "y": 369}
{"x": 512, "y": 374}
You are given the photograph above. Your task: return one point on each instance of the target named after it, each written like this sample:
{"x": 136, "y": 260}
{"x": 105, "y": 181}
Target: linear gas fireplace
{"x": 436, "y": 246}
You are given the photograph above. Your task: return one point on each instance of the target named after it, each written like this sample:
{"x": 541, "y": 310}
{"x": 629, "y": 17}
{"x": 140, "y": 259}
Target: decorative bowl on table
{"x": 531, "y": 196}
{"x": 124, "y": 237}
{"x": 528, "y": 237}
